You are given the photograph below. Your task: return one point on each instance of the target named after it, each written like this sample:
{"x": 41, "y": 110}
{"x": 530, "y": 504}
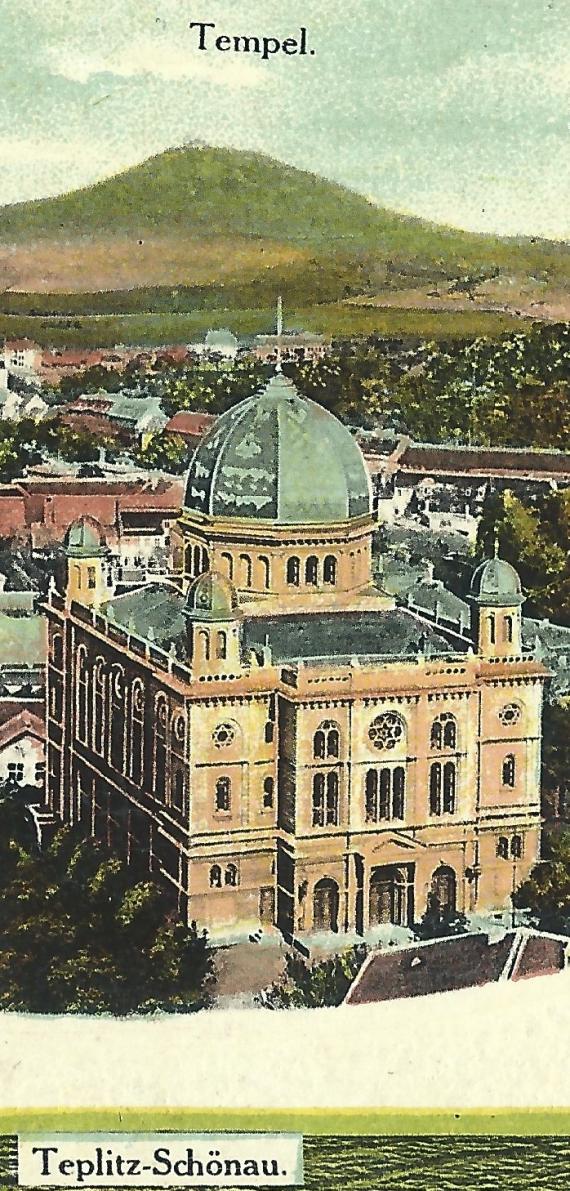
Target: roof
{"x": 85, "y": 538}
{"x": 462, "y": 961}
{"x": 394, "y": 633}
{"x": 495, "y": 582}
{"x": 193, "y": 424}
{"x": 154, "y": 612}
{"x": 435, "y": 457}
{"x": 23, "y": 722}
{"x": 134, "y": 409}
{"x": 22, "y": 640}
{"x": 279, "y": 457}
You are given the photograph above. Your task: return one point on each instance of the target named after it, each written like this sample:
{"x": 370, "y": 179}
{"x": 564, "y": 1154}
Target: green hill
{"x": 218, "y": 229}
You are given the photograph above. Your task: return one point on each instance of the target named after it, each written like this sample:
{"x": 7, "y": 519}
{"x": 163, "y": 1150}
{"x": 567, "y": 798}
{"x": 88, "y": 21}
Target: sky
{"x": 455, "y": 110}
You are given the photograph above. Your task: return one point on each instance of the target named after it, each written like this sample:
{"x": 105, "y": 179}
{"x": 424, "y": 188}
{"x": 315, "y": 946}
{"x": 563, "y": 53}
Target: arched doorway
{"x": 444, "y": 888}
{"x": 390, "y": 902}
{"x": 325, "y": 905}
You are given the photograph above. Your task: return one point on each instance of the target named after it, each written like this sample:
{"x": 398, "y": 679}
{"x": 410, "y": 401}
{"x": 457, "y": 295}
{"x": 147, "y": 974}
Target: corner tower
{"x": 496, "y": 598}
{"x": 86, "y": 553}
{"x": 213, "y": 626}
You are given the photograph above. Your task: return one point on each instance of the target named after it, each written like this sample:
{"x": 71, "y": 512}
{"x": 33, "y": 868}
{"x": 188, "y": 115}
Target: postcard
{"x": 284, "y": 593}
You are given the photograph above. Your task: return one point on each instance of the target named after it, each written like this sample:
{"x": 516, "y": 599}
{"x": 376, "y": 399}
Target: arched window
{"x": 215, "y": 877}
{"x": 246, "y": 570}
{"x": 204, "y": 639}
{"x": 197, "y": 560}
{"x": 449, "y": 788}
{"x": 160, "y": 747}
{"x": 326, "y": 741}
{"x": 137, "y": 732}
{"x": 516, "y": 847}
{"x": 265, "y": 574}
{"x": 178, "y": 790}
{"x": 117, "y": 717}
{"x": 229, "y": 563}
{"x": 268, "y": 787}
{"x": 371, "y": 796}
{"x": 231, "y": 875}
{"x": 221, "y": 645}
{"x": 329, "y": 569}
{"x": 82, "y": 705}
{"x": 509, "y": 770}
{"x": 188, "y": 561}
{"x": 491, "y": 628}
{"x": 508, "y": 629}
{"x": 435, "y": 789}
{"x": 223, "y": 794}
{"x": 99, "y": 706}
{"x": 443, "y": 732}
{"x": 332, "y": 799}
{"x": 384, "y": 794}
{"x": 57, "y": 651}
{"x": 205, "y": 559}
{"x": 312, "y": 570}
{"x": 319, "y": 800}
{"x": 444, "y": 888}
{"x": 293, "y": 571}
{"x": 398, "y": 792}
{"x": 503, "y": 847}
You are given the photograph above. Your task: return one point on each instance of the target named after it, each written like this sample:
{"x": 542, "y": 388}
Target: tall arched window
{"x": 385, "y": 794}
{"x": 398, "y": 792}
{"x": 326, "y": 741}
{"x": 312, "y": 570}
{"x": 188, "y": 561}
{"x": 509, "y": 770}
{"x": 268, "y": 787}
{"x": 178, "y": 790}
{"x": 229, "y": 563}
{"x": 503, "y": 847}
{"x": 221, "y": 645}
{"x": 231, "y": 875}
{"x": 329, "y": 569}
{"x": 246, "y": 570}
{"x": 435, "y": 789}
{"x": 371, "y": 796}
{"x": 160, "y": 747}
{"x": 319, "y": 800}
{"x": 205, "y": 561}
{"x": 516, "y": 847}
{"x": 449, "y": 788}
{"x": 137, "y": 732}
{"x": 197, "y": 560}
{"x": 82, "y": 705}
{"x": 57, "y": 651}
{"x": 508, "y": 629}
{"x": 293, "y": 571}
{"x": 265, "y": 573}
{"x": 99, "y": 706}
{"x": 444, "y": 888}
{"x": 204, "y": 639}
{"x": 223, "y": 794}
{"x": 491, "y": 628}
{"x": 332, "y": 799}
{"x": 117, "y": 718}
{"x": 215, "y": 877}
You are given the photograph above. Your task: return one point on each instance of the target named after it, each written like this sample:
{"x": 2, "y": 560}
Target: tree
{"x": 313, "y": 986}
{"x": 168, "y": 452}
{"x": 546, "y": 893}
{"x": 81, "y": 932}
{"x": 438, "y": 922}
{"x": 555, "y": 783}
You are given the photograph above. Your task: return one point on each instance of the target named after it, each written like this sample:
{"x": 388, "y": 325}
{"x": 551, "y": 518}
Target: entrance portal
{"x": 391, "y": 895}
{"x": 325, "y": 905}
{"x": 444, "y": 888}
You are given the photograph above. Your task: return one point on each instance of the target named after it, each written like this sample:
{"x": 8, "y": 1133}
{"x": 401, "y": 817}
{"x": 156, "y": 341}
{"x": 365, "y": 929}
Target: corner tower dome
{"x": 279, "y": 457}
{"x": 496, "y": 583}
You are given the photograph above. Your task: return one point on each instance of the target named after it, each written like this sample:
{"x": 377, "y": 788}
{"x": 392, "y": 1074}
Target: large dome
{"x": 279, "y": 457}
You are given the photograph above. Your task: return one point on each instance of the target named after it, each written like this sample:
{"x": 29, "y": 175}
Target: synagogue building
{"x": 265, "y": 729}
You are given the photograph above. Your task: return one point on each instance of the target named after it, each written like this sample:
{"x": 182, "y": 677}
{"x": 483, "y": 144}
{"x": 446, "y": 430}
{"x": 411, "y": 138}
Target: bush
{"x": 316, "y": 985}
{"x": 439, "y": 922}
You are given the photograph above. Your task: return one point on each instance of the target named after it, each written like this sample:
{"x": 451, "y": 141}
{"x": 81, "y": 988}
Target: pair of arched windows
{"x": 507, "y": 628}
{"x": 385, "y": 792}
{"x": 443, "y": 732}
{"x": 197, "y": 561}
{"x": 215, "y": 642}
{"x": 228, "y": 878}
{"x": 512, "y": 847}
{"x": 325, "y": 799}
{"x": 442, "y": 788}
{"x": 311, "y": 571}
{"x": 326, "y": 741}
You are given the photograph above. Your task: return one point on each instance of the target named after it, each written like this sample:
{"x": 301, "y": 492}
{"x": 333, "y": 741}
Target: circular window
{"x": 510, "y": 714}
{"x": 223, "y": 735}
{"x": 386, "y": 731}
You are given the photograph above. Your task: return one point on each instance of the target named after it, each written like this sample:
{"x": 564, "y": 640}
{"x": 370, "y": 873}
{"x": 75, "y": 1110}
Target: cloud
{"x": 156, "y": 57}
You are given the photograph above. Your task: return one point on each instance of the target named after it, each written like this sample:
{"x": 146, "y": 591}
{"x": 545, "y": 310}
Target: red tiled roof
{"x": 193, "y": 424}
{"x": 436, "y": 458}
{"x": 20, "y": 723}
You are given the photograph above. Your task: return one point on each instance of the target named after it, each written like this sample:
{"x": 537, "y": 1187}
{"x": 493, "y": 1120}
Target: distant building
{"x": 22, "y": 358}
{"x": 222, "y": 343}
{"x": 15, "y": 405}
{"x": 23, "y": 655}
{"x": 137, "y": 417}
{"x": 190, "y": 426}
{"x": 294, "y": 347}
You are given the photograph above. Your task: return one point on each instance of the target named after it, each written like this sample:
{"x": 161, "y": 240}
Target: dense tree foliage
{"x": 555, "y": 778}
{"x": 166, "y": 452}
{"x": 534, "y": 535}
{"x": 314, "y": 985}
{"x": 546, "y": 893}
{"x": 80, "y": 932}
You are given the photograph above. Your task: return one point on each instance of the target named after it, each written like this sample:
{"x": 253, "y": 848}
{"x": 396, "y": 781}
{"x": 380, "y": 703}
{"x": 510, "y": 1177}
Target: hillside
{"x": 228, "y": 230}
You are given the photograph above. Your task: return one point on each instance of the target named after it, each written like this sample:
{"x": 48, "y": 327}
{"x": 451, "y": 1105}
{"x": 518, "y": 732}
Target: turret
{"x": 212, "y": 616}
{"x": 86, "y": 553}
{"x": 496, "y": 597}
